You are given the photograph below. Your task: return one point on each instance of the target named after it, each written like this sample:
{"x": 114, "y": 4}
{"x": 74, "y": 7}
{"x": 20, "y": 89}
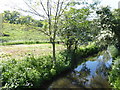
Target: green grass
{"x": 21, "y": 33}
{"x": 23, "y": 42}
{"x": 21, "y": 51}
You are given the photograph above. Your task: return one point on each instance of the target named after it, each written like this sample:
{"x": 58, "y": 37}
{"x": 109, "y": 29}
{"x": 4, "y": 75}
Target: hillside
{"x": 16, "y": 33}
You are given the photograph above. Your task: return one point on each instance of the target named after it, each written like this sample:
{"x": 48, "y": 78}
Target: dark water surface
{"x": 90, "y": 74}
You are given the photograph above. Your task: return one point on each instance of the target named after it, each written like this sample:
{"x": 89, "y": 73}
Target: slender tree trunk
{"x": 54, "y": 55}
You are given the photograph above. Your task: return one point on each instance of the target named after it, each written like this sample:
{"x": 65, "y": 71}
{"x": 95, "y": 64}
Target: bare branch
{"x": 41, "y": 30}
{"x": 43, "y": 8}
{"x": 48, "y": 3}
{"x": 50, "y": 9}
{"x": 56, "y": 19}
{"x": 44, "y": 32}
{"x": 57, "y": 8}
{"x": 62, "y": 10}
{"x": 35, "y": 12}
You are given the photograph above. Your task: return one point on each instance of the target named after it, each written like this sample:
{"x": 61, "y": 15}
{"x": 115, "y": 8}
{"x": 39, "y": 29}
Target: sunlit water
{"x": 90, "y": 74}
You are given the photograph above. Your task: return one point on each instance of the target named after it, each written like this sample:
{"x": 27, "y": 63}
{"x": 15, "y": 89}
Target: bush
{"x": 114, "y": 76}
{"x": 31, "y": 72}
{"x": 113, "y": 50}
{"x": 86, "y": 51}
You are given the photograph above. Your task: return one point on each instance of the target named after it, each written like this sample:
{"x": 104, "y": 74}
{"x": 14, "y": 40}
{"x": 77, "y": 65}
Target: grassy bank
{"x": 16, "y": 33}
{"x": 32, "y": 71}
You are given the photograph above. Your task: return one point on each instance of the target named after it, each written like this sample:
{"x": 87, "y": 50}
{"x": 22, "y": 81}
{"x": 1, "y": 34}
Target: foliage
{"x": 52, "y": 11}
{"x": 31, "y": 72}
{"x": 11, "y": 17}
{"x": 113, "y": 50}
{"x": 16, "y": 18}
{"x": 85, "y": 51}
{"x": 75, "y": 27}
{"x": 109, "y": 22}
{"x": 114, "y": 76}
{"x": 116, "y": 26}
{"x": 53, "y": 15}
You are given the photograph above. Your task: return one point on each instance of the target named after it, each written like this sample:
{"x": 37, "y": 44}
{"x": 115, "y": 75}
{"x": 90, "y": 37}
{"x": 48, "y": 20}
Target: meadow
{"x": 21, "y": 51}
{"x": 21, "y": 34}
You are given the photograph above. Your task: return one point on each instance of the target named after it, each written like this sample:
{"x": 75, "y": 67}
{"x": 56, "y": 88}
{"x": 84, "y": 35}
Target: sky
{"x": 10, "y": 4}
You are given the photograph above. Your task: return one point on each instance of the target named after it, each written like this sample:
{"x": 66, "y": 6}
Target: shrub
{"x": 113, "y": 50}
{"x": 86, "y": 51}
{"x": 31, "y": 72}
{"x": 114, "y": 76}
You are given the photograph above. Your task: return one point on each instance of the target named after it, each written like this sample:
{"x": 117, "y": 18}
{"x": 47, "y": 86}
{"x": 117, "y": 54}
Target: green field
{"x": 16, "y": 33}
{"x": 22, "y": 51}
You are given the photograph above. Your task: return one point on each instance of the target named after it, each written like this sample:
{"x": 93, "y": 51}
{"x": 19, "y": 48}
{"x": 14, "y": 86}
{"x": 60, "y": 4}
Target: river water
{"x": 89, "y": 74}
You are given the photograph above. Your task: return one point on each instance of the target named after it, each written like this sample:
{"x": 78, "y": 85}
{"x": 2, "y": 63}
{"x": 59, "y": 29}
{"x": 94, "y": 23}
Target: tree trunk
{"x": 54, "y": 55}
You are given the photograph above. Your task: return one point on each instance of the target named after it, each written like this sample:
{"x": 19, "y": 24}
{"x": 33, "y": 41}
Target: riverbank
{"x": 92, "y": 73}
{"x": 32, "y": 72}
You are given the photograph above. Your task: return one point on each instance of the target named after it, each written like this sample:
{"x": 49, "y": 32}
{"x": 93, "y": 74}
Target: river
{"x": 89, "y": 74}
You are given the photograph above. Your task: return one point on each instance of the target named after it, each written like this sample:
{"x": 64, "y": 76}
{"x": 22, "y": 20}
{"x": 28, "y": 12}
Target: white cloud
{"x": 111, "y": 3}
{"x": 10, "y": 4}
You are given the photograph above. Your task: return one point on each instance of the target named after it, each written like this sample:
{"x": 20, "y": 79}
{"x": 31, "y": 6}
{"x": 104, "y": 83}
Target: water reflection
{"x": 88, "y": 74}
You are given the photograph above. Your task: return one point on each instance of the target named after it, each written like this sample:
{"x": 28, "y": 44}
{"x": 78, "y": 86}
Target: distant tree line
{"x": 15, "y": 17}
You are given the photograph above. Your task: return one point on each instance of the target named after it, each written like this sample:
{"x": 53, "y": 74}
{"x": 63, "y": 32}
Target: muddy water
{"x": 90, "y": 74}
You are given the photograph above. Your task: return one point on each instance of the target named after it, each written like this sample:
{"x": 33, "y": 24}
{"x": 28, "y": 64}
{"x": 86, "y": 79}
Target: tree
{"x": 109, "y": 21}
{"x": 52, "y": 13}
{"x": 53, "y": 10}
{"x": 16, "y": 18}
{"x": 75, "y": 27}
{"x": 25, "y": 20}
{"x": 116, "y": 26}
{"x": 11, "y": 17}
